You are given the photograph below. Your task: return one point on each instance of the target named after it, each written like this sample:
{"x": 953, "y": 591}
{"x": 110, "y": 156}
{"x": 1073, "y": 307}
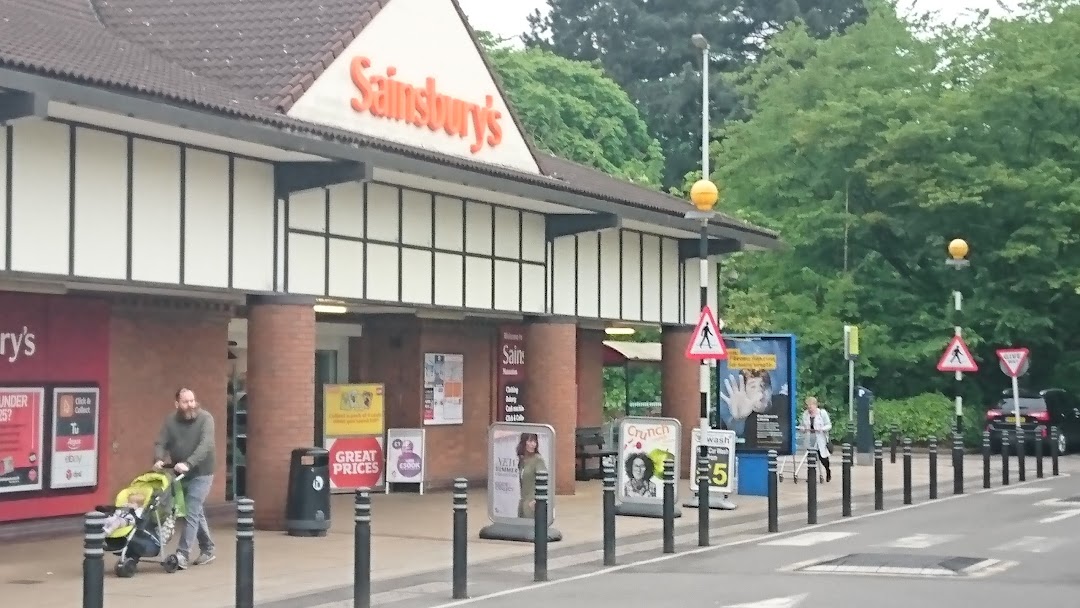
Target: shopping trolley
{"x": 804, "y": 442}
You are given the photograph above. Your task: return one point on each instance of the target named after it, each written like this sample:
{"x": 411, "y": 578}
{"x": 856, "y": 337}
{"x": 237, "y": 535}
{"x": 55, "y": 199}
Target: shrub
{"x": 919, "y": 418}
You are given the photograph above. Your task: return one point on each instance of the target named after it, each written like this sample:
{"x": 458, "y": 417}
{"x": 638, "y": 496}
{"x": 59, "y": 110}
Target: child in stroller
{"x": 142, "y": 520}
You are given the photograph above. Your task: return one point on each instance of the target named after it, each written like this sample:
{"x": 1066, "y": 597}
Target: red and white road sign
{"x": 957, "y": 358}
{"x": 355, "y": 462}
{"x": 706, "y": 343}
{"x": 1012, "y": 360}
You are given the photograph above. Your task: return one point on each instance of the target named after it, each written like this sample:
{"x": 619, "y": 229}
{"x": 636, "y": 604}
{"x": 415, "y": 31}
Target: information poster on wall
{"x": 444, "y": 388}
{"x": 756, "y": 391}
{"x": 405, "y": 457}
{"x": 356, "y": 462}
{"x": 644, "y": 445}
{"x": 518, "y": 451}
{"x": 22, "y": 421}
{"x": 511, "y": 374}
{"x": 351, "y": 410}
{"x": 75, "y": 436}
{"x": 720, "y": 447}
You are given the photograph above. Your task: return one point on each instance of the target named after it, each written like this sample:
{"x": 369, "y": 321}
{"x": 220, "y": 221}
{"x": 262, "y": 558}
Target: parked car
{"x": 1038, "y": 412}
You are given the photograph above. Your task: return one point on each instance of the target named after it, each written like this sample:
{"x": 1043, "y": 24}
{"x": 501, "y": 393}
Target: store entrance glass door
{"x": 326, "y": 372}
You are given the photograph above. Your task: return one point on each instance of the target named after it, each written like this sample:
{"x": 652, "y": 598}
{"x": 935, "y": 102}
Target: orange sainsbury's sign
{"x": 383, "y": 96}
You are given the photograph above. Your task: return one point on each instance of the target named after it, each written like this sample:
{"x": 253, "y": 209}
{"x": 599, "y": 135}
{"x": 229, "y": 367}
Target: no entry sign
{"x": 356, "y": 462}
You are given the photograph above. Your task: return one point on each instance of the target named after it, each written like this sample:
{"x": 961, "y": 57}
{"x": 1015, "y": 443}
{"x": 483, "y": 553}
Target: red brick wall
{"x": 680, "y": 396}
{"x": 590, "y": 377}
{"x": 153, "y": 352}
{"x": 551, "y": 385}
{"x": 389, "y": 353}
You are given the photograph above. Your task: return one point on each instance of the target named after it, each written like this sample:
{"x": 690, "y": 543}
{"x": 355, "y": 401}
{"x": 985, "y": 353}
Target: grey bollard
{"x": 958, "y": 464}
{"x": 669, "y": 506}
{"x": 774, "y": 507}
{"x": 245, "y": 553}
{"x": 986, "y": 459}
{"x": 1005, "y": 458}
{"x": 362, "y": 549}
{"x": 540, "y": 529}
{"x": 1021, "y": 455}
{"x": 907, "y": 471}
{"x": 609, "y": 514}
{"x": 879, "y": 478}
{"x": 460, "y": 550}
{"x": 703, "y": 497}
{"x": 811, "y": 487}
{"x": 93, "y": 583}
{"x": 845, "y": 482}
{"x": 932, "y": 451}
{"x": 1055, "y": 450}
{"x": 1039, "y": 449}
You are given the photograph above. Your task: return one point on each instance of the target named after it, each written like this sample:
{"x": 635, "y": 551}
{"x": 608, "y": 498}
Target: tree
{"x": 572, "y": 110}
{"x": 645, "y": 47}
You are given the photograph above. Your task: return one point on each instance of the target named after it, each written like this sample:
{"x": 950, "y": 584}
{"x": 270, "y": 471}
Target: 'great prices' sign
{"x": 356, "y": 462}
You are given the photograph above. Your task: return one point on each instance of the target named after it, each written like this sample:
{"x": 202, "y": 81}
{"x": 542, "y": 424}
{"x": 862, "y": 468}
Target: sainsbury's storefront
{"x": 255, "y": 228}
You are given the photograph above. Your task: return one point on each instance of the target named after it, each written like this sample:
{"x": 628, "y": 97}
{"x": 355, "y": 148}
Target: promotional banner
{"x": 756, "y": 391}
{"x": 404, "y": 456}
{"x": 444, "y": 381}
{"x": 721, "y": 454}
{"x": 351, "y": 410}
{"x": 644, "y": 445}
{"x": 511, "y": 374}
{"x": 355, "y": 462}
{"x": 22, "y": 418}
{"x": 516, "y": 452}
{"x": 75, "y": 436}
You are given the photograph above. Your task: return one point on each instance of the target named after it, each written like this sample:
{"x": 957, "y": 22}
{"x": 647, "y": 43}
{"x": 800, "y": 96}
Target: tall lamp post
{"x": 704, "y": 194}
{"x": 958, "y": 251}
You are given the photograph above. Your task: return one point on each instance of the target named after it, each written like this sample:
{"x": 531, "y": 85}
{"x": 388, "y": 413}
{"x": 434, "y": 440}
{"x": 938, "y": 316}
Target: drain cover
{"x": 899, "y": 564}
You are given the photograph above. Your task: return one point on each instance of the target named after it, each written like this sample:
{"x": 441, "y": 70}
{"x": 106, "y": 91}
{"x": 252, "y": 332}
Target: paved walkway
{"x": 411, "y": 546}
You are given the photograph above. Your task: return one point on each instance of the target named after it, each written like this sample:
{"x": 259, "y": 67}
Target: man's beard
{"x": 190, "y": 414}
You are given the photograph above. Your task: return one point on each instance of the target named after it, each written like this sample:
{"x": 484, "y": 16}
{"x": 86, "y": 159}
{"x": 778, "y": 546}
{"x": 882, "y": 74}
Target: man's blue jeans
{"x": 196, "y": 490}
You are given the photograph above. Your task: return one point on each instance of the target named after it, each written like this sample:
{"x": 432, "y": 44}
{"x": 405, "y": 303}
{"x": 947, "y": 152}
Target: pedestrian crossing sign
{"x": 957, "y": 358}
{"x": 706, "y": 343}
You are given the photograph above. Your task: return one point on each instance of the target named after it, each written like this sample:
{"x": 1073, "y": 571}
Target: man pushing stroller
{"x": 187, "y": 439}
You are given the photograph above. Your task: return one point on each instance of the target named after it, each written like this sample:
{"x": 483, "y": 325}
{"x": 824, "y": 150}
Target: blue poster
{"x": 756, "y": 391}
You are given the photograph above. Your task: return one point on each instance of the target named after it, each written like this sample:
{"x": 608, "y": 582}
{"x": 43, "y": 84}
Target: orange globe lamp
{"x": 704, "y": 194}
{"x": 958, "y": 249}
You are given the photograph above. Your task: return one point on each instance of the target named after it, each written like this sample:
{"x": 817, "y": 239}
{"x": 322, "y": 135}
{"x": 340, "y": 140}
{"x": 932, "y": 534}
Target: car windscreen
{"x": 1028, "y": 404}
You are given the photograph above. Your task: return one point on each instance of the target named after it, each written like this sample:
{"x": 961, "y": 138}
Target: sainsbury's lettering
{"x": 383, "y": 96}
{"x": 16, "y": 344}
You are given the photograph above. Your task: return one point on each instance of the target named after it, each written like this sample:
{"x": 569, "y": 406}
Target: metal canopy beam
{"x": 566, "y": 224}
{"x": 20, "y": 105}
{"x": 297, "y": 176}
{"x": 690, "y": 248}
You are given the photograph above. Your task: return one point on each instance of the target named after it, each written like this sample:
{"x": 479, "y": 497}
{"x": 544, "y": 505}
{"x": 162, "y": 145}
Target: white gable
{"x": 413, "y": 76}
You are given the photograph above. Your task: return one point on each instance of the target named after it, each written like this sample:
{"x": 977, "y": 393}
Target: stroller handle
{"x": 168, "y": 466}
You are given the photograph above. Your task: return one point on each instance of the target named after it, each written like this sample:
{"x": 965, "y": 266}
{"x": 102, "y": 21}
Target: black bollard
{"x": 1039, "y": 449}
{"x": 362, "y": 549}
{"x": 986, "y": 459}
{"x": 540, "y": 529}
{"x": 845, "y": 483}
{"x": 1004, "y": 458}
{"x": 609, "y": 514}
{"x": 1021, "y": 455}
{"x": 932, "y": 453}
{"x": 1055, "y": 449}
{"x": 958, "y": 464}
{"x": 774, "y": 507}
{"x": 669, "y": 506}
{"x": 703, "y": 498}
{"x": 894, "y": 443}
{"x": 879, "y": 478}
{"x": 811, "y": 487}
{"x": 245, "y": 553}
{"x": 460, "y": 574}
{"x": 93, "y": 570}
{"x": 907, "y": 471}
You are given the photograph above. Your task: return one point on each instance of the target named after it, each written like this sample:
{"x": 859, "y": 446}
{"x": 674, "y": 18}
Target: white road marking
{"x": 1060, "y": 516}
{"x": 920, "y": 541}
{"x": 1031, "y": 544}
{"x": 776, "y": 602}
{"x": 1050, "y": 502}
{"x": 808, "y": 539}
{"x": 1022, "y": 491}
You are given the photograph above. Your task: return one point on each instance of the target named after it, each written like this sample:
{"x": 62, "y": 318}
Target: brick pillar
{"x": 551, "y": 384}
{"x": 680, "y": 395}
{"x": 281, "y": 398}
{"x": 590, "y": 377}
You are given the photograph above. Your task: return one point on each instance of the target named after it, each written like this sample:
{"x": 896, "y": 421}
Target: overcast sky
{"x": 506, "y": 18}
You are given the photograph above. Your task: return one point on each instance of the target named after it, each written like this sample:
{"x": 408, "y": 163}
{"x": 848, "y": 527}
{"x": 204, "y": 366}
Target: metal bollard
{"x": 845, "y": 483}
{"x": 703, "y": 498}
{"x": 907, "y": 471}
{"x": 245, "y": 553}
{"x": 879, "y": 478}
{"x": 93, "y": 581}
{"x": 958, "y": 464}
{"x": 932, "y": 452}
{"x": 894, "y": 443}
{"x": 540, "y": 529}
{"x": 362, "y": 549}
{"x": 669, "y": 506}
{"x": 1004, "y": 458}
{"x": 774, "y": 507}
{"x": 1021, "y": 455}
{"x": 1039, "y": 449}
{"x": 811, "y": 487}
{"x": 986, "y": 459}
{"x": 609, "y": 514}
{"x": 1055, "y": 449}
{"x": 460, "y": 573}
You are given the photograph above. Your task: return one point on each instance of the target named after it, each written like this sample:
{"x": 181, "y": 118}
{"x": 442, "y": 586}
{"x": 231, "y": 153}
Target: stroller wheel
{"x": 780, "y": 478}
{"x": 170, "y": 564}
{"x": 126, "y": 568}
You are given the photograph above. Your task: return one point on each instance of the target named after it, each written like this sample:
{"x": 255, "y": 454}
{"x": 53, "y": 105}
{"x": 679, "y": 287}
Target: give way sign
{"x": 1014, "y": 361}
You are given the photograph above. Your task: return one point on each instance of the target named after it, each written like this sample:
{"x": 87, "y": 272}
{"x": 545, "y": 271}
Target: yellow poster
{"x": 353, "y": 409}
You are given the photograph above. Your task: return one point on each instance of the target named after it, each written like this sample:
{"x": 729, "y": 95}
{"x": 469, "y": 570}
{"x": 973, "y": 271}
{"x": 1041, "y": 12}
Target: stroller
{"x": 804, "y": 442}
{"x": 142, "y": 521}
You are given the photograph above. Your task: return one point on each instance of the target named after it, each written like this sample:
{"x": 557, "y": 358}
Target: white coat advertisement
{"x": 646, "y": 443}
{"x": 518, "y": 451}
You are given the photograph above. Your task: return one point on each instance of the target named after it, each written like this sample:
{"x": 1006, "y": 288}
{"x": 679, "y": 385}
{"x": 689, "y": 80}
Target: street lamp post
{"x": 958, "y": 251}
{"x": 704, "y": 194}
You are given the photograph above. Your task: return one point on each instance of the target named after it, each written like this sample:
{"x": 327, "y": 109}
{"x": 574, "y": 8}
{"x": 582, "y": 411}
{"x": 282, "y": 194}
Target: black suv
{"x": 1038, "y": 412}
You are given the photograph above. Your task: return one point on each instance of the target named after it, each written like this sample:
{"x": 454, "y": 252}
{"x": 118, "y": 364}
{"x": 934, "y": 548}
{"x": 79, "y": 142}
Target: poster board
{"x": 356, "y": 462}
{"x": 353, "y": 410}
{"x": 504, "y": 490}
{"x": 721, "y": 457}
{"x": 644, "y": 444}
{"x": 510, "y": 375}
{"x": 756, "y": 392}
{"x": 444, "y": 389}
{"x": 405, "y": 457}
{"x": 76, "y": 437}
{"x": 22, "y": 435}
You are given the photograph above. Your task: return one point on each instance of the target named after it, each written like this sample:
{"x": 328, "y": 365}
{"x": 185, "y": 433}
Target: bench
{"x": 589, "y": 445}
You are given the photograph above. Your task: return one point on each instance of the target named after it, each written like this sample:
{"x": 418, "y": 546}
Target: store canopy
{"x": 621, "y": 353}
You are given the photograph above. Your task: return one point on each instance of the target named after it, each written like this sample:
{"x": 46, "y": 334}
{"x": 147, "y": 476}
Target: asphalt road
{"x": 1013, "y": 546}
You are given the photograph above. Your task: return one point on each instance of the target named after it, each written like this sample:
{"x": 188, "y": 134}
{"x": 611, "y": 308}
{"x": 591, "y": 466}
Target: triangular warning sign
{"x": 957, "y": 358}
{"x": 706, "y": 343}
{"x": 1013, "y": 359}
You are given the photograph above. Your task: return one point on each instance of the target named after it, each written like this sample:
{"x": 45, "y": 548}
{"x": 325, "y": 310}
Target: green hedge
{"x": 919, "y": 417}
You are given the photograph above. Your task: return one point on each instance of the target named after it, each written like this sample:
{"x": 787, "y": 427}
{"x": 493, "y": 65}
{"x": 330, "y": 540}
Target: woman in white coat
{"x": 817, "y": 421}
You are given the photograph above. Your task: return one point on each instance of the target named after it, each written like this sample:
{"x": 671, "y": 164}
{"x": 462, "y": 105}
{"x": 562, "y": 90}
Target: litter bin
{"x": 307, "y": 507}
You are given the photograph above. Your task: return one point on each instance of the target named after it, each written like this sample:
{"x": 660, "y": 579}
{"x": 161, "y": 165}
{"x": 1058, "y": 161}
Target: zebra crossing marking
{"x": 808, "y": 539}
{"x": 920, "y": 541}
{"x": 1022, "y": 491}
{"x": 1031, "y": 544}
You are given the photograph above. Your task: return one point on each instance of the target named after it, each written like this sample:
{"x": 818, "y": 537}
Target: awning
{"x": 621, "y": 353}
